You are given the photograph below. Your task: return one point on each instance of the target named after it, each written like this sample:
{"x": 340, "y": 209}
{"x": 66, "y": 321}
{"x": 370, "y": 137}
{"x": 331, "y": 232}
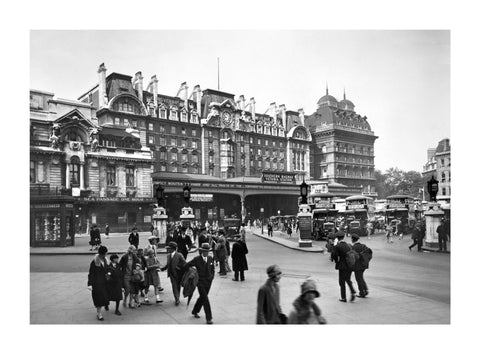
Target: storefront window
{"x": 47, "y": 226}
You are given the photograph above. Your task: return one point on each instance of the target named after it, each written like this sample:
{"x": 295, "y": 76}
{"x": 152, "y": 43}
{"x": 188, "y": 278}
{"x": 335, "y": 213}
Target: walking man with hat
{"x": 174, "y": 268}
{"x": 339, "y": 254}
{"x": 206, "y": 271}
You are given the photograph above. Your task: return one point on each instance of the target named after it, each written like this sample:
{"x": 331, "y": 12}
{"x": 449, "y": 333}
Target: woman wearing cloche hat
{"x": 305, "y": 311}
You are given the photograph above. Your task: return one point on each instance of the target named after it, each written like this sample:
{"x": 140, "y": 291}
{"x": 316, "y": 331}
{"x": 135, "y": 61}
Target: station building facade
{"x": 82, "y": 173}
{"x": 111, "y": 148}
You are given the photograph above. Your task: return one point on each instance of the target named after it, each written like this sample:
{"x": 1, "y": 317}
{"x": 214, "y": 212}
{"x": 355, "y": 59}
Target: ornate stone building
{"x": 207, "y": 135}
{"x": 103, "y": 170}
{"x": 342, "y": 149}
{"x": 439, "y": 166}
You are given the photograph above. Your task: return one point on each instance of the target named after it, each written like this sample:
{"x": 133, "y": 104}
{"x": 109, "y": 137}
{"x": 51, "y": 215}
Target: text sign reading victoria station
{"x": 275, "y": 177}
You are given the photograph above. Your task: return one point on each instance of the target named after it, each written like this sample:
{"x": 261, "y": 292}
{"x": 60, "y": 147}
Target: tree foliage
{"x": 396, "y": 181}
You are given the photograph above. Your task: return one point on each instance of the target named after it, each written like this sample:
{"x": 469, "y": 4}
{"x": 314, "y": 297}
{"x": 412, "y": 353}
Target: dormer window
{"x": 183, "y": 116}
{"x": 173, "y": 113}
{"x": 194, "y": 118}
{"x": 163, "y": 113}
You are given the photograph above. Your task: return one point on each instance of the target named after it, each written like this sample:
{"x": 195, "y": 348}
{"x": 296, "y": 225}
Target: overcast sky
{"x": 400, "y": 80}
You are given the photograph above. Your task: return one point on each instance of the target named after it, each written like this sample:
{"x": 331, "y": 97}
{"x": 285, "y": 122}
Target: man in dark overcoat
{"x": 360, "y": 266}
{"x": 134, "y": 238}
{"x": 338, "y": 255}
{"x": 443, "y": 233}
{"x": 417, "y": 236}
{"x": 174, "y": 268}
{"x": 239, "y": 259}
{"x": 184, "y": 243}
{"x": 206, "y": 272}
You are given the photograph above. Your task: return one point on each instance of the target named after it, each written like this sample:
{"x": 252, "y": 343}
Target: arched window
{"x": 74, "y": 171}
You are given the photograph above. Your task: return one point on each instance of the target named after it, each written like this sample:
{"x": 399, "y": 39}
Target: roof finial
{"x": 344, "y": 96}
{"x": 327, "y": 88}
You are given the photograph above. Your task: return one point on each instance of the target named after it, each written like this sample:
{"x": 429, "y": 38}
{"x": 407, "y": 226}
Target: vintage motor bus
{"x": 324, "y": 214}
{"x": 401, "y": 207}
{"x": 359, "y": 209}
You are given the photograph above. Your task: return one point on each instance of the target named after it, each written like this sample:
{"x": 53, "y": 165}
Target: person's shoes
{"x": 242, "y": 279}
{"x": 209, "y": 322}
{"x": 365, "y": 294}
{"x": 146, "y": 300}
{"x": 410, "y": 249}
{"x": 223, "y": 274}
{"x": 361, "y": 295}
{"x": 118, "y": 313}
{"x": 177, "y": 302}
{"x": 235, "y": 279}
{"x": 160, "y": 289}
{"x": 106, "y": 308}
{"x": 352, "y": 298}
{"x": 342, "y": 300}
{"x": 158, "y": 301}
{"x": 100, "y": 317}
{"x": 195, "y": 315}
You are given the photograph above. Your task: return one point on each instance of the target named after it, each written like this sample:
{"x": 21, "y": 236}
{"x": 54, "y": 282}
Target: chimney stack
{"x": 154, "y": 83}
{"x": 138, "y": 85}
{"x": 283, "y": 114}
{"x": 252, "y": 107}
{"x": 102, "y": 86}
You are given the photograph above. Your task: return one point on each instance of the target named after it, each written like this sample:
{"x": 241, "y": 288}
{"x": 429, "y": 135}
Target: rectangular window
{"x": 251, "y": 140}
{"x": 210, "y": 158}
{"x": 163, "y": 155}
{"x": 33, "y": 178}
{"x": 163, "y": 168}
{"x": 150, "y": 126}
{"x": 150, "y": 139}
{"x": 194, "y": 118}
{"x": 163, "y": 113}
{"x": 242, "y": 149}
{"x": 242, "y": 161}
{"x": 281, "y": 144}
{"x": 162, "y": 141}
{"x": 174, "y": 129}
{"x": 184, "y": 131}
{"x": 210, "y": 146}
{"x": 183, "y": 117}
{"x": 194, "y": 169}
{"x": 172, "y": 141}
{"x": 174, "y": 116}
{"x": 183, "y": 143}
{"x": 130, "y": 176}
{"x": 194, "y": 132}
{"x": 174, "y": 156}
{"x": 174, "y": 168}
{"x": 134, "y": 123}
{"x": 210, "y": 171}
{"x": 259, "y": 164}
{"x": 111, "y": 175}
{"x": 252, "y": 163}
{"x": 259, "y": 141}
{"x": 194, "y": 144}
{"x": 161, "y": 129}
{"x": 184, "y": 158}
{"x": 126, "y": 122}
{"x": 194, "y": 158}
{"x": 117, "y": 121}
{"x": 184, "y": 169}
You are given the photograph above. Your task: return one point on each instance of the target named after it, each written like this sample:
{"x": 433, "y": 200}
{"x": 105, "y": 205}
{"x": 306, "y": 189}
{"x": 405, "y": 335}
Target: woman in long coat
{"x": 97, "y": 281}
{"x": 115, "y": 282}
{"x": 239, "y": 258}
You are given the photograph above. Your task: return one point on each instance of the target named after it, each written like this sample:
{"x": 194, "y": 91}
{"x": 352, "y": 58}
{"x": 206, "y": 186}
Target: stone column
{"x": 433, "y": 215}
{"x": 82, "y": 183}
{"x": 67, "y": 172}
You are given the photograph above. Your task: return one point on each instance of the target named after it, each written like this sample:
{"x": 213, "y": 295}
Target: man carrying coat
{"x": 206, "y": 272}
{"x": 174, "y": 267}
{"x": 239, "y": 259}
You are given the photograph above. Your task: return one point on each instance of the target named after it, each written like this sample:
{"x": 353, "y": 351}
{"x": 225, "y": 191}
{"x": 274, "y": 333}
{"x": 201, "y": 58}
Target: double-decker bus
{"x": 359, "y": 209}
{"x": 401, "y": 207}
{"x": 324, "y": 214}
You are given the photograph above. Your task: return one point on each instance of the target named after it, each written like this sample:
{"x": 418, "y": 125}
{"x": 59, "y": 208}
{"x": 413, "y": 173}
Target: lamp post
{"x": 432, "y": 187}
{"x": 160, "y": 195}
{"x": 261, "y": 216}
{"x": 303, "y": 192}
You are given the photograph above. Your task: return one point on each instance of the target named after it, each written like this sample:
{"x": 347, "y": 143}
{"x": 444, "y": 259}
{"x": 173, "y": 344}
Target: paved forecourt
{"x": 62, "y": 298}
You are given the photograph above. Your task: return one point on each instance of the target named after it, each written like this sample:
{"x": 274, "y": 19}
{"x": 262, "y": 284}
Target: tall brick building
{"x": 342, "y": 148}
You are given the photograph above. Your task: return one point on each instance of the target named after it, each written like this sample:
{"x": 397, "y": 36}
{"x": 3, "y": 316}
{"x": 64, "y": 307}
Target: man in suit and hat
{"x": 206, "y": 271}
{"x": 174, "y": 267}
{"x": 339, "y": 254}
{"x": 268, "y": 299}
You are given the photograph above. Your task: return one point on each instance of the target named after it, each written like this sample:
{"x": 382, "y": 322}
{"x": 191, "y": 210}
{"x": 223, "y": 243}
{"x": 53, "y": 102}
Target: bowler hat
{"x": 172, "y": 244}
{"x": 309, "y": 286}
{"x": 204, "y": 247}
{"x": 152, "y": 237}
{"x": 355, "y": 237}
{"x": 273, "y": 270}
{"x": 102, "y": 250}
